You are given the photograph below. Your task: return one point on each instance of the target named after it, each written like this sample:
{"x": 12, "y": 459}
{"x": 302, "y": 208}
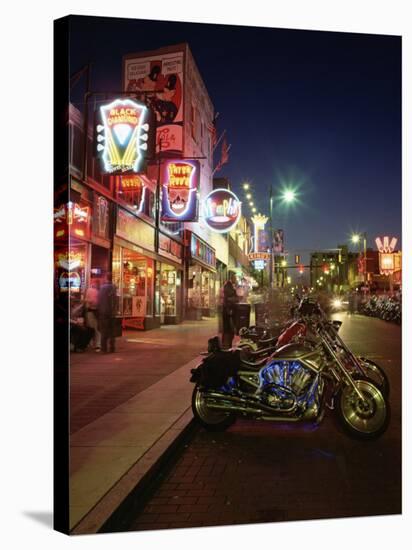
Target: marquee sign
{"x": 259, "y": 256}
{"x": 180, "y": 181}
{"x": 124, "y": 136}
{"x": 222, "y": 210}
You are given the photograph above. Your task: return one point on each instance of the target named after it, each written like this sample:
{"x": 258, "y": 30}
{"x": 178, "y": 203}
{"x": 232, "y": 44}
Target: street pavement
{"x": 127, "y": 409}
{"x": 267, "y": 472}
{"x": 100, "y": 382}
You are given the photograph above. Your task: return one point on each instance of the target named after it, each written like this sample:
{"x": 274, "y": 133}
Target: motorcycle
{"x": 296, "y": 383}
{"x": 298, "y": 331}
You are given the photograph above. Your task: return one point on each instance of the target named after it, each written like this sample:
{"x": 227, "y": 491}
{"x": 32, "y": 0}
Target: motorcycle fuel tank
{"x": 310, "y": 357}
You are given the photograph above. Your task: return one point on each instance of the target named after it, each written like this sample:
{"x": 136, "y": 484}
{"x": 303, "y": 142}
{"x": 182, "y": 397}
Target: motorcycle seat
{"x": 268, "y": 341}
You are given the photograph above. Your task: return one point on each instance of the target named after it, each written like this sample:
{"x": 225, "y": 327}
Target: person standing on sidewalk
{"x": 91, "y": 303}
{"x": 230, "y": 300}
{"x": 106, "y": 310}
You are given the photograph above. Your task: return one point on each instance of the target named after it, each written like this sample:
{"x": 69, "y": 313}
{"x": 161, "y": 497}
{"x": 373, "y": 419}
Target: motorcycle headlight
{"x": 337, "y": 303}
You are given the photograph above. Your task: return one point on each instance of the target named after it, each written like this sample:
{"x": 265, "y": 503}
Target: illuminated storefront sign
{"x": 259, "y": 256}
{"x": 123, "y": 136}
{"x": 73, "y": 218}
{"x": 180, "y": 180}
{"x": 199, "y": 250}
{"x": 70, "y": 270}
{"x": 134, "y": 186}
{"x": 386, "y": 245}
{"x": 386, "y": 254}
{"x": 222, "y": 210}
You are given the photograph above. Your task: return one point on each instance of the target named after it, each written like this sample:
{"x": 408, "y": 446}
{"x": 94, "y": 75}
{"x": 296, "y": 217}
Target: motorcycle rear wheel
{"x": 212, "y": 420}
{"x": 363, "y": 419}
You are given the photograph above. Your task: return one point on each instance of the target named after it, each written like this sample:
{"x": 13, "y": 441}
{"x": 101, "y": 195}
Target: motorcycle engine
{"x": 285, "y": 382}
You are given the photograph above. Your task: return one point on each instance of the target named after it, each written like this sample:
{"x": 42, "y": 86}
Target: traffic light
{"x": 325, "y": 269}
{"x": 301, "y": 269}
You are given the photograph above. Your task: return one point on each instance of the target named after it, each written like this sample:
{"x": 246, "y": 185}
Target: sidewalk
{"x": 127, "y": 408}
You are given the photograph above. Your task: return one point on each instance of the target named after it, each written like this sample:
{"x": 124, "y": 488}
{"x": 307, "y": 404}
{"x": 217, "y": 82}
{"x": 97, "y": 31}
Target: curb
{"x": 116, "y": 508}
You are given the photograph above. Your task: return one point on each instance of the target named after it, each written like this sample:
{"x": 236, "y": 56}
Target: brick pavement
{"x": 101, "y": 382}
{"x": 265, "y": 472}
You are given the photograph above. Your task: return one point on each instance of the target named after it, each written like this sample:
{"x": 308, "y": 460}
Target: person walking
{"x": 91, "y": 303}
{"x": 230, "y": 299}
{"x": 106, "y": 309}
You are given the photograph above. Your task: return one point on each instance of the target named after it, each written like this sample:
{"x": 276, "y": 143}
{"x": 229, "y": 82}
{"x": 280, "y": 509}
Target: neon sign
{"x": 260, "y": 254}
{"x": 73, "y": 215}
{"x": 134, "y": 185}
{"x": 180, "y": 180}
{"x": 386, "y": 246}
{"x": 386, "y": 254}
{"x": 222, "y": 210}
{"x": 122, "y": 136}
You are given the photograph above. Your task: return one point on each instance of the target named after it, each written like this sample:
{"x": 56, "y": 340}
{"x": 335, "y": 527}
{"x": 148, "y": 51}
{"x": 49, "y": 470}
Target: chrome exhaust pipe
{"x": 243, "y": 404}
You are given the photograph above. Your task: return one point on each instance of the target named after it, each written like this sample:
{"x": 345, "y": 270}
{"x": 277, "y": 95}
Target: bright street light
{"x": 355, "y": 239}
{"x": 246, "y": 186}
{"x": 284, "y": 263}
{"x": 289, "y": 195}
{"x": 253, "y": 209}
{"x": 251, "y": 203}
{"x": 248, "y": 196}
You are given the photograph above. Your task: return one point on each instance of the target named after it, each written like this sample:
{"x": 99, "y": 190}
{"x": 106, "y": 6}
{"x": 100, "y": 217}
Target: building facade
{"x": 164, "y": 269}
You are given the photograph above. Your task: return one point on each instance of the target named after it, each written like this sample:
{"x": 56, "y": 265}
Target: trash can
{"x": 261, "y": 314}
{"x": 242, "y": 316}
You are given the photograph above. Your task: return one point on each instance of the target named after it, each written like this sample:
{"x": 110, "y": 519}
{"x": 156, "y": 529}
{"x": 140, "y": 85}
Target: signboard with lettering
{"x": 221, "y": 210}
{"x": 132, "y": 229}
{"x": 180, "y": 181}
{"x": 159, "y": 78}
{"x": 257, "y": 256}
{"x": 170, "y": 248}
{"x": 124, "y": 136}
{"x": 71, "y": 218}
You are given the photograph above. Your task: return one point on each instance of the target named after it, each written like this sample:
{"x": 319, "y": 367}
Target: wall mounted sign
{"x": 199, "y": 250}
{"x": 134, "y": 186}
{"x": 278, "y": 241}
{"x": 124, "y": 136}
{"x": 259, "y": 256}
{"x": 221, "y": 209}
{"x": 72, "y": 218}
{"x": 170, "y": 248}
{"x": 179, "y": 181}
{"x": 161, "y": 75}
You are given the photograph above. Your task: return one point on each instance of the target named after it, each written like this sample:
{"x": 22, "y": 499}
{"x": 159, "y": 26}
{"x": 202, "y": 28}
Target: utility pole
{"x": 271, "y": 242}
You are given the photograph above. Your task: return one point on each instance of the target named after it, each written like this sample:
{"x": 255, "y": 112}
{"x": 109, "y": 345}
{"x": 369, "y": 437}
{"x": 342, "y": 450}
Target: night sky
{"x": 319, "y": 111}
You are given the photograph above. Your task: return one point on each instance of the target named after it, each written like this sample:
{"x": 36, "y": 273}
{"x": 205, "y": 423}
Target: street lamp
{"x": 356, "y": 240}
{"x": 288, "y": 196}
{"x": 246, "y": 186}
{"x": 248, "y": 196}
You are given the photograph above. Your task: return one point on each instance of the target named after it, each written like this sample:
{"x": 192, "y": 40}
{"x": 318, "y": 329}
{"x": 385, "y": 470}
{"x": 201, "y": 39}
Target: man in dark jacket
{"x": 230, "y": 300}
{"x": 106, "y": 309}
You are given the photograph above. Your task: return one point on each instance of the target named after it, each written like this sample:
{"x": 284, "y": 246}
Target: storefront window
{"x": 117, "y": 276}
{"x": 194, "y": 291}
{"x": 137, "y": 284}
{"x": 170, "y": 290}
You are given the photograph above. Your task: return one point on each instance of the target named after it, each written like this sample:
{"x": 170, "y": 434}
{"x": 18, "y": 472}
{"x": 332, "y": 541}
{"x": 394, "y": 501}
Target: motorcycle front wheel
{"x": 366, "y": 418}
{"x": 376, "y": 375}
{"x": 212, "y": 420}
